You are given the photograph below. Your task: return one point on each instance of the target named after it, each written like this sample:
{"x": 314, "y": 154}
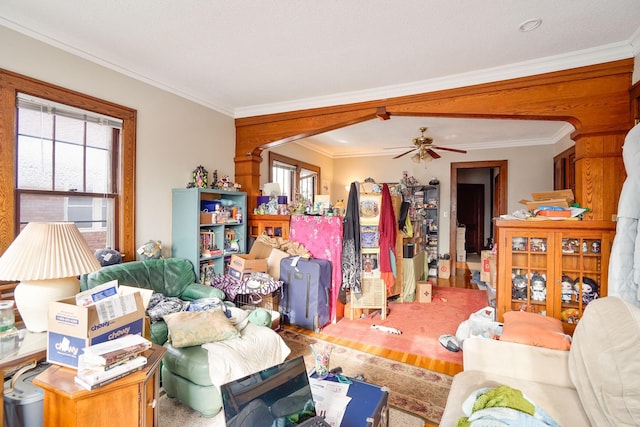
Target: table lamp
{"x": 46, "y": 258}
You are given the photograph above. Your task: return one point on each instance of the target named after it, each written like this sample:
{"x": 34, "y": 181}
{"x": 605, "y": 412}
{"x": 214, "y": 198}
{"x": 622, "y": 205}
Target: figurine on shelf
{"x": 214, "y": 179}
{"x": 567, "y": 288}
{"x": 519, "y": 289}
{"x": 589, "y": 290}
{"x": 200, "y": 177}
{"x": 538, "y": 287}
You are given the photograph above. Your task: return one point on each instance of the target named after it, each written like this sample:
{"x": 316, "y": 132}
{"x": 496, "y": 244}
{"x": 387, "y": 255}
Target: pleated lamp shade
{"x": 46, "y": 258}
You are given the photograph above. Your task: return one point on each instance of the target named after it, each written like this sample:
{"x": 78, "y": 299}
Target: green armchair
{"x": 185, "y": 371}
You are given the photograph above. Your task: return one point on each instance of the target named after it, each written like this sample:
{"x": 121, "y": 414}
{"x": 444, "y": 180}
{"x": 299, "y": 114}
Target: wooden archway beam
{"x": 594, "y": 99}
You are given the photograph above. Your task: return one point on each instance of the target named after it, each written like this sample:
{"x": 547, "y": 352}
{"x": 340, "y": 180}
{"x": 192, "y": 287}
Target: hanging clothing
{"x": 387, "y": 227}
{"x": 624, "y": 262}
{"x": 351, "y": 250}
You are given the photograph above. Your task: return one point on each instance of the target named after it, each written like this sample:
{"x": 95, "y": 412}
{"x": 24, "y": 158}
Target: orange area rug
{"x": 421, "y": 325}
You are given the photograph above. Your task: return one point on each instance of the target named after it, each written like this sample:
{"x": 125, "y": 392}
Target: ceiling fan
{"x": 423, "y": 145}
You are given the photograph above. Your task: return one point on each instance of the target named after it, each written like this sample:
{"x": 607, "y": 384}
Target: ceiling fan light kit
{"x": 424, "y": 146}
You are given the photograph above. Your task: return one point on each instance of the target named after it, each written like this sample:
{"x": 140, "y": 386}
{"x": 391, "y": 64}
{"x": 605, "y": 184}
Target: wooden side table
{"x": 130, "y": 401}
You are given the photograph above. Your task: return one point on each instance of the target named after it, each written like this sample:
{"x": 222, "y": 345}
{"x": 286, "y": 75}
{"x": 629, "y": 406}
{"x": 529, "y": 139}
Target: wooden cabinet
{"x": 272, "y": 225}
{"x": 552, "y": 267}
{"x": 208, "y": 239}
{"x": 130, "y": 401}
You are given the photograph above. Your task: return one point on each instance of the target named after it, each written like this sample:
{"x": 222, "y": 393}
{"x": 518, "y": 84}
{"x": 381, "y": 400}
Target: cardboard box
{"x": 425, "y": 291}
{"x": 444, "y": 268}
{"x": 243, "y": 264}
{"x": 260, "y": 250}
{"x": 486, "y": 258}
{"x": 461, "y": 256}
{"x": 562, "y": 198}
{"x": 208, "y": 217}
{"x": 72, "y": 328}
{"x": 273, "y": 262}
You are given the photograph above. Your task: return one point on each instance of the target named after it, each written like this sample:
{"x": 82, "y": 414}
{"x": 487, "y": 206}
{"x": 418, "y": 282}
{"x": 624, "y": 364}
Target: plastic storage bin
{"x": 24, "y": 405}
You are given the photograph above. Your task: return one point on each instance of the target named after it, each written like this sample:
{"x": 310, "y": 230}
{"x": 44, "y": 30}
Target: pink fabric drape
{"x": 322, "y": 236}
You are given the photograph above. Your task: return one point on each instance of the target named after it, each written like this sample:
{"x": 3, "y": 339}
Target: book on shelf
{"x": 207, "y": 242}
{"x": 91, "y": 379}
{"x": 114, "y": 351}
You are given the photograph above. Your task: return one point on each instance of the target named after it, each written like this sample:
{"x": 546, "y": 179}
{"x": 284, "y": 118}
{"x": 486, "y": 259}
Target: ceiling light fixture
{"x": 530, "y": 25}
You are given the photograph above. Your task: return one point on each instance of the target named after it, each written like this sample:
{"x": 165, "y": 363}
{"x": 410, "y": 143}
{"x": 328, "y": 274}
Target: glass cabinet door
{"x": 531, "y": 269}
{"x": 581, "y": 275}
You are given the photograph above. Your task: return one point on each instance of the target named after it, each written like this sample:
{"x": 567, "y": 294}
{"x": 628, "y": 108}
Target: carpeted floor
{"x": 174, "y": 414}
{"x": 412, "y": 389}
{"x": 421, "y": 324}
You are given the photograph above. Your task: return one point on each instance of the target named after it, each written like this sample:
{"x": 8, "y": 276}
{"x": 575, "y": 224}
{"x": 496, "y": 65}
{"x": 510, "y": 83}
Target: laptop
{"x": 276, "y": 396}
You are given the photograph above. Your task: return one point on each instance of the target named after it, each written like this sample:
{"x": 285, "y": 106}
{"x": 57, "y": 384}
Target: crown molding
{"x": 597, "y": 55}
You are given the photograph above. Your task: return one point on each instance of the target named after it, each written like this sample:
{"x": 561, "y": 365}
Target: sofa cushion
{"x": 561, "y": 403}
{"x": 534, "y": 329}
{"x": 604, "y": 363}
{"x": 168, "y": 276}
{"x": 191, "y": 363}
{"x": 189, "y": 328}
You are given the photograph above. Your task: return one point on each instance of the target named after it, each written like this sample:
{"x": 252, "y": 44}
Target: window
{"x": 297, "y": 179}
{"x": 65, "y": 165}
{"x": 73, "y": 159}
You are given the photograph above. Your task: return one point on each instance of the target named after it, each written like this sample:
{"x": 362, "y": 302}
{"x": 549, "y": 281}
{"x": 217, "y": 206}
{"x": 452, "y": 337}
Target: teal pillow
{"x": 260, "y": 317}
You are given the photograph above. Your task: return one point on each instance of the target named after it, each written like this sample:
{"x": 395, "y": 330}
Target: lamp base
{"x": 33, "y": 297}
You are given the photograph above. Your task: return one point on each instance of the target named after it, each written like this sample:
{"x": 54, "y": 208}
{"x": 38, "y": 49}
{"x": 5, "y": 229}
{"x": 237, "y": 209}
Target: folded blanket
{"x": 502, "y": 406}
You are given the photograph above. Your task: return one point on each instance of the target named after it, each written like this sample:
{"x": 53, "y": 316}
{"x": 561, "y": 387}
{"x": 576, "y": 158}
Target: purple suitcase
{"x": 306, "y": 292}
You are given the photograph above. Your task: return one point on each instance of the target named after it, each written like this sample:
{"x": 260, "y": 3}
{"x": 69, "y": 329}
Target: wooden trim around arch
{"x": 594, "y": 99}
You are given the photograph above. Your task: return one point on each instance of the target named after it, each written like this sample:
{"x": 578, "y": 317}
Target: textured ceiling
{"x": 253, "y": 57}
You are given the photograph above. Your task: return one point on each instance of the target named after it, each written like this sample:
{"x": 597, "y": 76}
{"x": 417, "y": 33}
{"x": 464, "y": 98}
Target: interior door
{"x": 471, "y": 215}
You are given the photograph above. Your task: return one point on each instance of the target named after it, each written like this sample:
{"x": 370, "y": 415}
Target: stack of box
{"x": 488, "y": 271}
{"x": 461, "y": 253}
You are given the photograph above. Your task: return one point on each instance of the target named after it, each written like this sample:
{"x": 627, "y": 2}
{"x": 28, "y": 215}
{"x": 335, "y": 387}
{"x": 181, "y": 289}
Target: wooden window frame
{"x": 10, "y": 85}
{"x": 299, "y": 165}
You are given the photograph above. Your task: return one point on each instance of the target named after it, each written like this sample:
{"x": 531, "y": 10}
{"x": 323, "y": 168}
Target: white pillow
{"x": 239, "y": 317}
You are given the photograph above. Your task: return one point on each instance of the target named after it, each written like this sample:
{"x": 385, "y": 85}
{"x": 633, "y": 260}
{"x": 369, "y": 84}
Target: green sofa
{"x": 185, "y": 371}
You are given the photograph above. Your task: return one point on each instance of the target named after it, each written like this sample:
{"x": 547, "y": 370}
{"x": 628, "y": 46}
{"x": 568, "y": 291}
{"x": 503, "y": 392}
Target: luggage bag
{"x": 306, "y": 292}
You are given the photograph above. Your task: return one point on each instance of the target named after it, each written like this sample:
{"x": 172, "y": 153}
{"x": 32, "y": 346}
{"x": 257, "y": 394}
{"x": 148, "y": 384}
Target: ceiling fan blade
{"x": 451, "y": 149}
{"x": 433, "y": 153}
{"x": 403, "y": 154}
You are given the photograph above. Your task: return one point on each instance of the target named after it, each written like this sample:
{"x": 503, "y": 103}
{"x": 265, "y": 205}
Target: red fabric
{"x": 388, "y": 230}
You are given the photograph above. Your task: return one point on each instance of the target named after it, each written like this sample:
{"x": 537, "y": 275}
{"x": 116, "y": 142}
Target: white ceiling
{"x": 253, "y": 57}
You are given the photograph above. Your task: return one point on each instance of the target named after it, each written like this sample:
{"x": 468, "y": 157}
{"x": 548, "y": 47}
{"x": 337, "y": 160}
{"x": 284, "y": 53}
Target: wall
{"x": 530, "y": 169}
{"x": 174, "y": 135}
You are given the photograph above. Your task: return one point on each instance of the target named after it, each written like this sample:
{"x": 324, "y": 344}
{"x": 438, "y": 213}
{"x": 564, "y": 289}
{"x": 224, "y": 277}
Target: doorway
{"x": 471, "y": 209}
{"x": 498, "y": 200}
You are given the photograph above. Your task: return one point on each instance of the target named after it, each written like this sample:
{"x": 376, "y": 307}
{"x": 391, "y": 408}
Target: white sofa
{"x": 596, "y": 383}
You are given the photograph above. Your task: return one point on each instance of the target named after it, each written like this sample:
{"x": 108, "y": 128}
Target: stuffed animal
{"x": 108, "y": 256}
{"x": 150, "y": 250}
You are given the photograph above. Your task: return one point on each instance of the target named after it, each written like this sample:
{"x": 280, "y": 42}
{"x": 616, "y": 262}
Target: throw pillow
{"x": 238, "y": 317}
{"x": 534, "y": 329}
{"x": 189, "y": 328}
{"x": 260, "y": 317}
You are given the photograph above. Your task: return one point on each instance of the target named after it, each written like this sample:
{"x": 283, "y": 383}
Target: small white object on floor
{"x": 450, "y": 342}
{"x": 387, "y": 329}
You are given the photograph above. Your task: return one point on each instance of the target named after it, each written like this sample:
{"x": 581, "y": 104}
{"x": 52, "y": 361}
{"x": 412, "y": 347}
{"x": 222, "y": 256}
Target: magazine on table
{"x": 91, "y": 379}
{"x": 115, "y": 351}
